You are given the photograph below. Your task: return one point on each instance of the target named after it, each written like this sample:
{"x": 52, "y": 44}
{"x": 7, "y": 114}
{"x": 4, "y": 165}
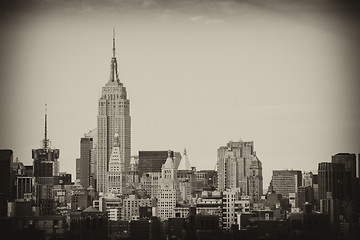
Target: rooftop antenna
{"x": 113, "y": 42}
{"x": 46, "y": 141}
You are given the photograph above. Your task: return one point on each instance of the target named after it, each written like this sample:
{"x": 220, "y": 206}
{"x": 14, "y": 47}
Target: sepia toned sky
{"x": 282, "y": 74}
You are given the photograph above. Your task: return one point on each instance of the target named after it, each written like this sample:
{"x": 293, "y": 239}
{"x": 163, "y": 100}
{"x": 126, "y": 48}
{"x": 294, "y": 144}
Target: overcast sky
{"x": 285, "y": 76}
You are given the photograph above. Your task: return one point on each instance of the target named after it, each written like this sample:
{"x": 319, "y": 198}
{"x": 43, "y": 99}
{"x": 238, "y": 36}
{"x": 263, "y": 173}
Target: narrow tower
{"x": 46, "y": 159}
{"x": 169, "y": 189}
{"x": 46, "y": 168}
{"x": 113, "y": 115}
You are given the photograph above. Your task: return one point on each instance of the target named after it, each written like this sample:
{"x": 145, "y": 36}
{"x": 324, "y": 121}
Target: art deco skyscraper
{"x": 113, "y": 116}
{"x": 239, "y": 167}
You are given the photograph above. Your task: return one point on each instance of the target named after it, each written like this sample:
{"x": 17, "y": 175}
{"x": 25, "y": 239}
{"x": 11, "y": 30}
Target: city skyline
{"x": 195, "y": 79}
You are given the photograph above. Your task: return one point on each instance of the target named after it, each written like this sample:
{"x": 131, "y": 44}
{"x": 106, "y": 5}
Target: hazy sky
{"x": 284, "y": 75}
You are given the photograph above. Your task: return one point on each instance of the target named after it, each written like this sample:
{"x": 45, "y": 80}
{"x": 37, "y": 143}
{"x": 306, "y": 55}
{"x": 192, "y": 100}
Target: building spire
{"x": 45, "y": 141}
{"x": 113, "y": 42}
{"x": 114, "y": 77}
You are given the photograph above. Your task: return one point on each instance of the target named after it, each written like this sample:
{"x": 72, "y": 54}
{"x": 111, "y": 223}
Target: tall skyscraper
{"x": 83, "y": 164}
{"x": 45, "y": 160}
{"x": 113, "y": 116}
{"x": 46, "y": 172}
{"x": 239, "y": 167}
{"x": 331, "y": 180}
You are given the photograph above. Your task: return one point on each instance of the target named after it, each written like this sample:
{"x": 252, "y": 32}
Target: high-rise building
{"x": 113, "y": 116}
{"x": 45, "y": 160}
{"x": 169, "y": 192}
{"x": 349, "y": 181}
{"x": 6, "y": 160}
{"x": 349, "y": 160}
{"x": 93, "y": 169}
{"x": 286, "y": 181}
{"x": 83, "y": 166}
{"x": 116, "y": 177}
{"x": 331, "y": 180}
{"x": 239, "y": 167}
{"x": 46, "y": 173}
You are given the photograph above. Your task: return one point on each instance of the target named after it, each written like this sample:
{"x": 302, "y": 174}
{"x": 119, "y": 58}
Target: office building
{"x": 239, "y": 167}
{"x": 286, "y": 181}
{"x": 83, "y": 166}
{"x": 349, "y": 178}
{"x": 206, "y": 180}
{"x": 331, "y": 180}
{"x": 45, "y": 173}
{"x": 169, "y": 192}
{"x": 45, "y": 159}
{"x": 113, "y": 116}
{"x": 131, "y": 207}
{"x": 150, "y": 181}
{"x": 229, "y": 198}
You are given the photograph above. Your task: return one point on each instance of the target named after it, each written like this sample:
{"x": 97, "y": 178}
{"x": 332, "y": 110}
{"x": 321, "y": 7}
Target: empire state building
{"x": 113, "y": 117}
